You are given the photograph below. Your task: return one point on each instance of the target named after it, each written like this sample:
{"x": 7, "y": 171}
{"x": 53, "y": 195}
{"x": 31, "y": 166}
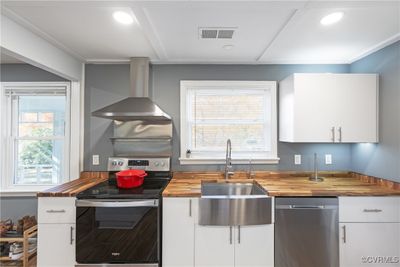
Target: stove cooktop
{"x": 151, "y": 188}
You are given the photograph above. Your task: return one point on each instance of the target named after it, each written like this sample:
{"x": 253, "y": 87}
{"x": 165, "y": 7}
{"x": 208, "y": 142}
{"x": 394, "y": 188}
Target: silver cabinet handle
{"x": 333, "y": 134}
{"x": 190, "y": 208}
{"x": 239, "y": 234}
{"x": 230, "y": 235}
{"x": 340, "y": 134}
{"x": 71, "y": 236}
{"x": 344, "y": 233}
{"x": 55, "y": 211}
{"x": 372, "y": 210}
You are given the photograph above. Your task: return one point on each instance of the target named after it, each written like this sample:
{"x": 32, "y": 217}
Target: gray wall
{"x": 17, "y": 207}
{"x": 104, "y": 84}
{"x": 382, "y": 159}
{"x": 26, "y": 73}
{"x": 108, "y": 83}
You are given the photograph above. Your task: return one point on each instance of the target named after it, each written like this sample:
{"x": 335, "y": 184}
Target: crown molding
{"x": 374, "y": 48}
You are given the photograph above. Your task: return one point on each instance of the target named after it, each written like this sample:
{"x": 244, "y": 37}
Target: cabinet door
{"x": 214, "y": 246}
{"x": 314, "y": 104}
{"x": 369, "y": 244}
{"x": 56, "y": 245}
{"x": 314, "y": 107}
{"x": 356, "y": 109}
{"x": 254, "y": 246}
{"x": 178, "y": 232}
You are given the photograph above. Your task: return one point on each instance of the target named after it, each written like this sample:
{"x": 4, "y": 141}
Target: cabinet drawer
{"x": 369, "y": 209}
{"x": 56, "y": 210}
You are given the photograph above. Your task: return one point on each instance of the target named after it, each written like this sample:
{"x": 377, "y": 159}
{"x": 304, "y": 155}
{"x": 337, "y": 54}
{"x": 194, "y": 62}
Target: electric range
{"x": 122, "y": 226}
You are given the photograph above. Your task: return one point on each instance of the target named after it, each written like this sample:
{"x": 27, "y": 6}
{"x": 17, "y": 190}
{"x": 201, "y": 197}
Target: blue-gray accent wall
{"x": 109, "y": 83}
{"x": 166, "y": 92}
{"x": 382, "y": 159}
{"x": 26, "y": 73}
{"x": 17, "y": 207}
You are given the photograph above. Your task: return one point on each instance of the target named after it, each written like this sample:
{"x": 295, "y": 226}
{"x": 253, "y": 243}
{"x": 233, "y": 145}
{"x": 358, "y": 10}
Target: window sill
{"x": 24, "y": 191}
{"x": 221, "y": 161}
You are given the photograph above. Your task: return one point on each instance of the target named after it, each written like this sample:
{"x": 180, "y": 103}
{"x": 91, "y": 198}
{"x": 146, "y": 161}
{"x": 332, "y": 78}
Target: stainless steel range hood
{"x": 139, "y": 106}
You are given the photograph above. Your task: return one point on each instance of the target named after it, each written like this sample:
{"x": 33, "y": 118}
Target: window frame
{"x": 7, "y": 144}
{"x": 237, "y": 158}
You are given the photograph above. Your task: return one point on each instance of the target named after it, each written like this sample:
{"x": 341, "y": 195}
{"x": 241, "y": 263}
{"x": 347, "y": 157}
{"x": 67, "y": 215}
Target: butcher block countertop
{"x": 188, "y": 184}
{"x": 72, "y": 188}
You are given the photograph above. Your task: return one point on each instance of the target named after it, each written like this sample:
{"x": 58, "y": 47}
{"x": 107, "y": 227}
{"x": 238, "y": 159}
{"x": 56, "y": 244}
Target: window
{"x": 35, "y": 128}
{"x": 214, "y": 111}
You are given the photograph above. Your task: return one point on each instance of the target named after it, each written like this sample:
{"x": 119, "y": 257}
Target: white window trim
{"x": 72, "y": 138}
{"x": 186, "y": 85}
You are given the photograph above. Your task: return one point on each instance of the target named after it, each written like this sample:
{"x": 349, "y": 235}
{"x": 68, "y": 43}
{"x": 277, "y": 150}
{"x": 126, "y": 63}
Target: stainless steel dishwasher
{"x": 306, "y": 232}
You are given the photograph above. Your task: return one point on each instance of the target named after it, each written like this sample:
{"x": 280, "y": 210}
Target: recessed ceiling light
{"x": 228, "y": 47}
{"x": 331, "y": 18}
{"x": 123, "y": 17}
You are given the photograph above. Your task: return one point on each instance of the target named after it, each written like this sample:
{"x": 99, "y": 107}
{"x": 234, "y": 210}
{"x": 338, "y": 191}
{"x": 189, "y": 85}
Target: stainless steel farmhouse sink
{"x": 234, "y": 204}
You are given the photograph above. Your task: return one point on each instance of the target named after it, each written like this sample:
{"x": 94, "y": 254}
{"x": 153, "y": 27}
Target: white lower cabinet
{"x": 369, "y": 244}
{"x": 178, "y": 231}
{"x": 369, "y": 231}
{"x": 244, "y": 246}
{"x": 255, "y": 247}
{"x": 214, "y": 246}
{"x": 56, "y": 232}
{"x": 56, "y": 244}
{"x": 187, "y": 244}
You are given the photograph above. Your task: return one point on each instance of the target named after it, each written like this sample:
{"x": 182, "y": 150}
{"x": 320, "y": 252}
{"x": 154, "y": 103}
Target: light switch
{"x": 328, "y": 159}
{"x": 95, "y": 160}
{"x": 297, "y": 159}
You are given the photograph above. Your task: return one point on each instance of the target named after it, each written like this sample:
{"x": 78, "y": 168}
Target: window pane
{"x": 28, "y": 117}
{"x": 38, "y": 161}
{"x": 41, "y": 115}
{"x": 244, "y": 137}
{"x": 228, "y": 106}
{"x": 239, "y": 114}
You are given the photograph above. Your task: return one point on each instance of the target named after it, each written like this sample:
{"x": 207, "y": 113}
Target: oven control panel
{"x": 147, "y": 164}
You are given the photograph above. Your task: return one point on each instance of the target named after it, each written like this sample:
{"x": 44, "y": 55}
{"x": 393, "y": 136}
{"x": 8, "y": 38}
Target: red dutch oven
{"x": 130, "y": 178}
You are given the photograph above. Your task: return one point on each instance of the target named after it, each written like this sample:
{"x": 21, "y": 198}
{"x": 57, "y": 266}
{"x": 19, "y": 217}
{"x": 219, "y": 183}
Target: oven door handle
{"x": 117, "y": 203}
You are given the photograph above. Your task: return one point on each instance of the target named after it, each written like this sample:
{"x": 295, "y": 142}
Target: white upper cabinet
{"x": 325, "y": 107}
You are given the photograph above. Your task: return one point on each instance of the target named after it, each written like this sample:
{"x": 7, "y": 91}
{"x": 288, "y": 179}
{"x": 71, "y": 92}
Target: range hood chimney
{"x": 138, "y": 106}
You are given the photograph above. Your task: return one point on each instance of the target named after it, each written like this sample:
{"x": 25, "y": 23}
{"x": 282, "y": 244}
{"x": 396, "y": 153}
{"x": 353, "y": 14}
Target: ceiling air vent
{"x": 209, "y": 34}
{"x": 216, "y": 33}
{"x": 225, "y": 34}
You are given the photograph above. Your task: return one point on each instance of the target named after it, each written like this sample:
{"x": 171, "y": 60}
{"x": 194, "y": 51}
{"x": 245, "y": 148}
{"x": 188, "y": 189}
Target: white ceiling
{"x": 168, "y": 31}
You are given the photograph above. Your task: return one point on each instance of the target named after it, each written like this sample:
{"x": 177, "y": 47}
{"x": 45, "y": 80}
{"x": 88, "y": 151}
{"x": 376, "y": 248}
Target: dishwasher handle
{"x": 306, "y": 207}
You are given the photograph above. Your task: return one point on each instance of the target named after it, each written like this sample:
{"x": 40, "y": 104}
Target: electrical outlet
{"x": 297, "y": 159}
{"x": 96, "y": 160}
{"x": 328, "y": 159}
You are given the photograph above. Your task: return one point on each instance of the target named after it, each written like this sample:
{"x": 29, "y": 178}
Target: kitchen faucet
{"x": 228, "y": 160}
{"x": 316, "y": 178}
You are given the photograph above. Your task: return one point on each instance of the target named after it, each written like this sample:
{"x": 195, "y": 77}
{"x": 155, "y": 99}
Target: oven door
{"x": 117, "y": 231}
